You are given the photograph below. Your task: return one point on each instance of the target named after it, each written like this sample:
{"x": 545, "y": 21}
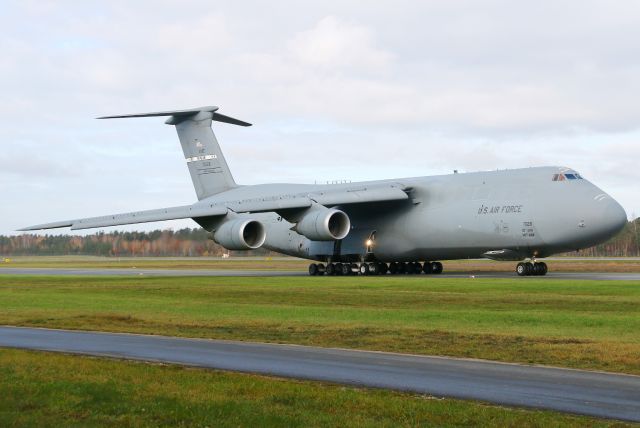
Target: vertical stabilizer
{"x": 208, "y": 168}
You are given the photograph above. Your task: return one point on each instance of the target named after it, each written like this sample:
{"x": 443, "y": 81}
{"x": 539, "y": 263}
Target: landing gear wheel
{"x": 545, "y": 268}
{"x": 437, "y": 267}
{"x": 313, "y": 269}
{"x": 537, "y": 269}
{"x": 364, "y": 269}
{"x": 355, "y": 268}
{"x": 374, "y": 269}
{"x": 393, "y": 268}
{"x": 427, "y": 268}
{"x": 402, "y": 267}
{"x": 540, "y": 268}
{"x": 346, "y": 269}
{"x": 338, "y": 269}
{"x": 331, "y": 269}
{"x": 417, "y": 268}
{"x": 383, "y": 268}
{"x": 521, "y": 269}
{"x": 529, "y": 268}
{"x": 411, "y": 268}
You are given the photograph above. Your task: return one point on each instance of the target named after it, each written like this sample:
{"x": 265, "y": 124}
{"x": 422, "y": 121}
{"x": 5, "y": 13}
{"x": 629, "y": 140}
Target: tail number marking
{"x": 201, "y": 158}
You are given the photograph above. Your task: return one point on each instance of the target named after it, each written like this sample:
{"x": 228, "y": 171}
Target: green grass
{"x": 41, "y": 389}
{"x": 582, "y": 324}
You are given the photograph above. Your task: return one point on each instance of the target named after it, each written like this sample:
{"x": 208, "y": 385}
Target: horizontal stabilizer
{"x": 184, "y": 114}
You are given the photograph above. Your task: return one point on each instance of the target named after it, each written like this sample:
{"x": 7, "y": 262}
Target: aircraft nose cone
{"x": 609, "y": 220}
{"x": 615, "y": 216}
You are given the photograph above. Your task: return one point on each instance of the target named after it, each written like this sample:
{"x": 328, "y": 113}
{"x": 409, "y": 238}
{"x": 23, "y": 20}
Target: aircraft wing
{"x": 172, "y": 213}
{"x": 330, "y": 197}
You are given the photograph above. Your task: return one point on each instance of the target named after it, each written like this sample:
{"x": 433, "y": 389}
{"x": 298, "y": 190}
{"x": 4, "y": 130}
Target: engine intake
{"x": 240, "y": 234}
{"x": 324, "y": 224}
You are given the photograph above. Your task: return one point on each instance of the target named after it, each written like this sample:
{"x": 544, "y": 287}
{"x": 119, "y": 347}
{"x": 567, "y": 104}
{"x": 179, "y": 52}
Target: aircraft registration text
{"x": 500, "y": 209}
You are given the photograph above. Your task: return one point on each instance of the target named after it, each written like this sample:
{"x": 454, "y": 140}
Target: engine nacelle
{"x": 240, "y": 234}
{"x": 324, "y": 224}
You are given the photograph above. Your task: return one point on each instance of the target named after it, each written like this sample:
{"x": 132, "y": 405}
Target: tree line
{"x": 196, "y": 243}
{"x": 180, "y": 243}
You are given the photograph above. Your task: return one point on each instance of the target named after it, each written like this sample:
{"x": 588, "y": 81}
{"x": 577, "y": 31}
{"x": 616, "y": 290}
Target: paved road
{"x": 590, "y": 393}
{"x": 302, "y": 272}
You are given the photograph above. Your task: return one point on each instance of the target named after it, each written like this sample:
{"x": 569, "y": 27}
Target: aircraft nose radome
{"x": 615, "y": 215}
{"x": 611, "y": 220}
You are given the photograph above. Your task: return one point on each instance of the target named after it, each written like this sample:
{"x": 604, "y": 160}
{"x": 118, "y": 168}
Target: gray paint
{"x": 591, "y": 393}
{"x": 520, "y": 211}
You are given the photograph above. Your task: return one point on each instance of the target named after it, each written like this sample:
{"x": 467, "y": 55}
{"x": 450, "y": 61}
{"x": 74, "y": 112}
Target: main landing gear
{"x": 375, "y": 268}
{"x": 531, "y": 269}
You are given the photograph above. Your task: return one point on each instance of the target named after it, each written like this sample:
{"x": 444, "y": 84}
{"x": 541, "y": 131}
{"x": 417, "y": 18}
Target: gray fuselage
{"x": 520, "y": 213}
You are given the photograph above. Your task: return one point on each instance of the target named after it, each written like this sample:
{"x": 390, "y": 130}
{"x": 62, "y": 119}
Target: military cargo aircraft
{"x": 397, "y": 226}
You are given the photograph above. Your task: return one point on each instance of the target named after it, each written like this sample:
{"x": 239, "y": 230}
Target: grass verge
{"x": 41, "y": 389}
{"x": 589, "y": 324}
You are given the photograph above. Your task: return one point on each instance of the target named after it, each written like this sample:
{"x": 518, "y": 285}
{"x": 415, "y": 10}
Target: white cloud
{"x": 354, "y": 89}
{"x": 335, "y": 44}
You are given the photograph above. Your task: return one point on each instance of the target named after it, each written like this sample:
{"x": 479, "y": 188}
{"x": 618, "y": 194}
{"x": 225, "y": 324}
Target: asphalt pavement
{"x": 598, "y": 394}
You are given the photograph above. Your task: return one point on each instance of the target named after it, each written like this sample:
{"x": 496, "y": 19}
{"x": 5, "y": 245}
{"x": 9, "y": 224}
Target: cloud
{"x": 338, "y": 89}
{"x": 335, "y": 44}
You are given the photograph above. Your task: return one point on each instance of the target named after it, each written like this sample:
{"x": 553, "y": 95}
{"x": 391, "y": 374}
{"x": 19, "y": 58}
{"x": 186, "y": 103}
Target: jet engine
{"x": 324, "y": 224}
{"x": 240, "y": 234}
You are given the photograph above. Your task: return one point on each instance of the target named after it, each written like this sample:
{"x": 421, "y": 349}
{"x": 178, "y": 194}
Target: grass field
{"x": 285, "y": 263}
{"x": 587, "y": 324}
{"x": 62, "y": 390}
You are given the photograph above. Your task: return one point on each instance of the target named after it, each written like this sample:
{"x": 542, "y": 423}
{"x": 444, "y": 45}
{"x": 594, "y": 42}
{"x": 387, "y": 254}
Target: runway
{"x": 269, "y": 273}
{"x": 590, "y": 393}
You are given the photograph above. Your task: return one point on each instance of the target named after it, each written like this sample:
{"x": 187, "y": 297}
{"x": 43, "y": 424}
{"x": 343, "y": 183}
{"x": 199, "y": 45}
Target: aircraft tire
{"x": 521, "y": 269}
{"x": 346, "y": 269}
{"x": 410, "y": 268}
{"x": 338, "y": 269}
{"x": 364, "y": 269}
{"x": 417, "y": 268}
{"x": 331, "y": 269}
{"x": 383, "y": 268}
{"x": 374, "y": 269}
{"x": 545, "y": 268}
{"x": 529, "y": 268}
{"x": 540, "y": 268}
{"x": 537, "y": 269}
{"x": 402, "y": 268}
{"x": 437, "y": 267}
{"x": 427, "y": 268}
{"x": 321, "y": 269}
{"x": 355, "y": 268}
{"x": 313, "y": 269}
{"x": 393, "y": 268}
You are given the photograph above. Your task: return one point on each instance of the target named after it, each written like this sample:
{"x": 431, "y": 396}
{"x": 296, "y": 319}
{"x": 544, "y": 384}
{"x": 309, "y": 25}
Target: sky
{"x": 336, "y": 90}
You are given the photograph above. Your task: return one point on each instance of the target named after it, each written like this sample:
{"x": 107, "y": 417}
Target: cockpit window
{"x": 566, "y": 176}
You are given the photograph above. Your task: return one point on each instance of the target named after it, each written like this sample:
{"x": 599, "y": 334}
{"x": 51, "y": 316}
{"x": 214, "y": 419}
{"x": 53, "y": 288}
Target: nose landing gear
{"x": 531, "y": 269}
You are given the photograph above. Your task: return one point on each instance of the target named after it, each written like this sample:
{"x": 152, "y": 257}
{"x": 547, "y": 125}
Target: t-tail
{"x": 208, "y": 168}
